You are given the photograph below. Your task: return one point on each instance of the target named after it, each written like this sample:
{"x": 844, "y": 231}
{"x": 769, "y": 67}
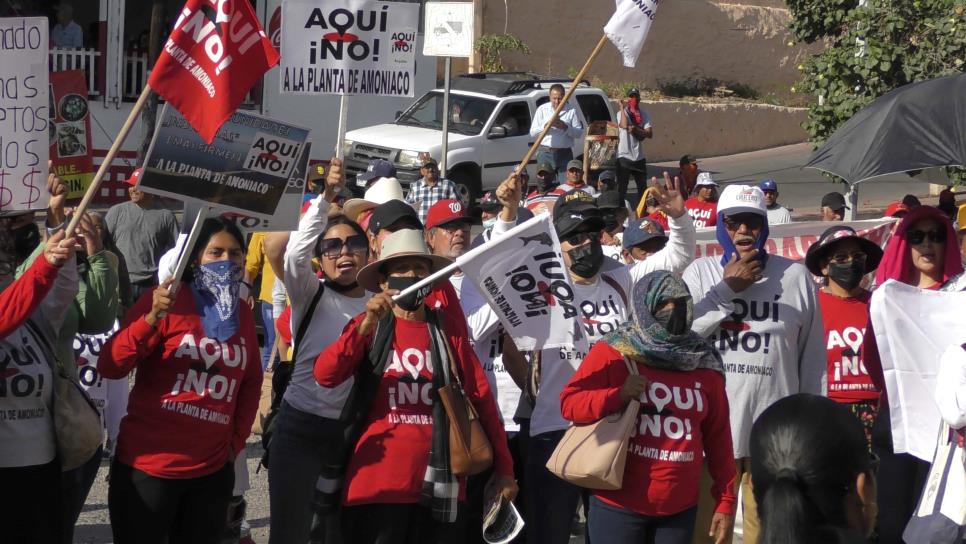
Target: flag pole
{"x": 186, "y": 249}
{"x": 343, "y": 120}
{"x": 563, "y": 103}
{"x": 108, "y": 159}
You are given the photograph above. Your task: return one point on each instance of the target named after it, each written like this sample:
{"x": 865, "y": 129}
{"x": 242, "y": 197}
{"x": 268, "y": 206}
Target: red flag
{"x": 213, "y": 57}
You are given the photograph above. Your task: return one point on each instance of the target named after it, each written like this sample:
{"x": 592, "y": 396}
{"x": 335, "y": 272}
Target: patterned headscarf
{"x": 215, "y": 288}
{"x": 644, "y": 339}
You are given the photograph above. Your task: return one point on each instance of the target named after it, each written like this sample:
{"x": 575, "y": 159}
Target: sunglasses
{"x": 916, "y": 237}
{"x": 578, "y": 238}
{"x": 751, "y": 220}
{"x": 332, "y": 247}
{"x": 846, "y": 258}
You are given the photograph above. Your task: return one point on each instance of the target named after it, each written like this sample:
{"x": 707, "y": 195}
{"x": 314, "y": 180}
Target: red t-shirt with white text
{"x": 704, "y": 214}
{"x": 845, "y": 322}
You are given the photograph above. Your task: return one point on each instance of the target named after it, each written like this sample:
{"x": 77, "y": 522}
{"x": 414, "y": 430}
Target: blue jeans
{"x": 298, "y": 450}
{"x": 551, "y": 502}
{"x": 268, "y": 322}
{"x": 557, "y": 158}
{"x": 607, "y": 523}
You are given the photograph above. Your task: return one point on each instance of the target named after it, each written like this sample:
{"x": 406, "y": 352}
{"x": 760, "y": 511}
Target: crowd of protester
{"x": 357, "y": 444}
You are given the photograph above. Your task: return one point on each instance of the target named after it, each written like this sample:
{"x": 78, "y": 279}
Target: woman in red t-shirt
{"x": 194, "y": 399}
{"x": 843, "y": 258}
{"x": 398, "y": 486}
{"x": 684, "y": 416}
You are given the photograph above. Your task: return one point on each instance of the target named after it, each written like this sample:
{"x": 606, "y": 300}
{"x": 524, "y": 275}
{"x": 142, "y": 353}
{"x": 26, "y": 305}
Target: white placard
{"x": 25, "y": 128}
{"x": 448, "y": 30}
{"x": 350, "y": 47}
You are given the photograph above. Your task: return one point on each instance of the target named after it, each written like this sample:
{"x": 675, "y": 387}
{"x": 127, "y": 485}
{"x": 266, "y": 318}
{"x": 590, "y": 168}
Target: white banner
{"x": 522, "y": 275}
{"x": 628, "y": 27}
{"x": 26, "y": 132}
{"x": 913, "y": 328}
{"x": 350, "y": 47}
{"x": 792, "y": 240}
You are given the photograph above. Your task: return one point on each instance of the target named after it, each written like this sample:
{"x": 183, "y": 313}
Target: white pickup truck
{"x": 489, "y": 129}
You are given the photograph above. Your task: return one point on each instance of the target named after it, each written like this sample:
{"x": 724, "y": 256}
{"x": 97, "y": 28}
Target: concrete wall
{"x": 741, "y": 41}
{"x": 708, "y": 130}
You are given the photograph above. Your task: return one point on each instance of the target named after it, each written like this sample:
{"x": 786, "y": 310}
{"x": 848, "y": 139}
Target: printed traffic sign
{"x": 448, "y": 30}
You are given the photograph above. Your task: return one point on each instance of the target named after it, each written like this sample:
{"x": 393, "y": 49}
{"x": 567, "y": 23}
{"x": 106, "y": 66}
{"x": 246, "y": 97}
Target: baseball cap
{"x": 634, "y": 92}
{"x": 378, "y": 168}
{"x": 429, "y": 161}
{"x": 135, "y": 176}
{"x": 574, "y": 200}
{"x": 737, "y": 199}
{"x": 834, "y": 201}
{"x": 896, "y": 209}
{"x": 489, "y": 202}
{"x": 704, "y": 178}
{"x": 316, "y": 171}
{"x": 817, "y": 251}
{"x": 640, "y": 231}
{"x": 768, "y": 185}
{"x": 609, "y": 200}
{"x": 546, "y": 167}
{"x": 574, "y": 211}
{"x": 386, "y": 214}
{"x": 608, "y": 176}
{"x": 576, "y": 163}
{"x": 447, "y": 211}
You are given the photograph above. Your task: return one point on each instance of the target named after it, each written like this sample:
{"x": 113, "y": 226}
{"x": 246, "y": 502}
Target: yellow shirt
{"x": 256, "y": 262}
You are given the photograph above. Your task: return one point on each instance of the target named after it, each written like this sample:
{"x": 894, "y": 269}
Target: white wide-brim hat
{"x": 400, "y": 244}
{"x": 382, "y": 191}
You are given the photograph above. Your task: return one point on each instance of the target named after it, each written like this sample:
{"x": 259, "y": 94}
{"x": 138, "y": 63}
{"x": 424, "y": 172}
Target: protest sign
{"x": 289, "y": 208}
{"x": 71, "y": 153}
{"x": 24, "y": 114}
{"x": 248, "y": 169}
{"x": 913, "y": 327}
{"x": 351, "y": 47}
{"x": 792, "y": 240}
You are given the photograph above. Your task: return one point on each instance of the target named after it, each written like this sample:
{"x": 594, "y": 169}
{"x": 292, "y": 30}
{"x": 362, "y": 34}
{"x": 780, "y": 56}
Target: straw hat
{"x": 400, "y": 244}
{"x": 382, "y": 191}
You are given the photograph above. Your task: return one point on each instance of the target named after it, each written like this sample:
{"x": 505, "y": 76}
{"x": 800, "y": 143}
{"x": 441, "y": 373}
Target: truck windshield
{"x": 467, "y": 114}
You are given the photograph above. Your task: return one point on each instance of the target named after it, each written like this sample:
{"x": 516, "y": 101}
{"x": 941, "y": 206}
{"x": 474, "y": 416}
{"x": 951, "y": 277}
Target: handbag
{"x": 77, "y": 423}
{"x": 593, "y": 455}
{"x": 940, "y": 516}
{"x": 469, "y": 448}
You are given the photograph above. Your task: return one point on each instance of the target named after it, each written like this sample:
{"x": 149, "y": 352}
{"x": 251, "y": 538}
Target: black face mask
{"x": 848, "y": 275}
{"x": 545, "y": 183}
{"x": 611, "y": 222}
{"x": 413, "y": 301}
{"x": 586, "y": 260}
{"x": 675, "y": 319}
{"x": 25, "y": 240}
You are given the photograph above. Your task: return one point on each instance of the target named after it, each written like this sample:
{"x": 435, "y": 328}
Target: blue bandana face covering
{"x": 721, "y": 233}
{"x": 215, "y": 288}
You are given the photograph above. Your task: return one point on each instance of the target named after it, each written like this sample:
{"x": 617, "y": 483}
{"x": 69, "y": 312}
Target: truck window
{"x": 515, "y": 118}
{"x": 594, "y": 108}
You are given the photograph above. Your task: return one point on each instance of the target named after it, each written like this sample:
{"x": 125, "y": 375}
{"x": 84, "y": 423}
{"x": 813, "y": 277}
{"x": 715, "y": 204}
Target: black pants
{"x": 400, "y": 524}
{"x": 30, "y": 504}
{"x": 476, "y": 489}
{"x": 75, "y": 485}
{"x": 627, "y": 169}
{"x": 551, "y": 501}
{"x": 148, "y": 510}
{"x": 900, "y": 481}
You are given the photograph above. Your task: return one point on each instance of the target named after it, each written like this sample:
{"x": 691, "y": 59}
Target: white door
{"x": 507, "y": 141}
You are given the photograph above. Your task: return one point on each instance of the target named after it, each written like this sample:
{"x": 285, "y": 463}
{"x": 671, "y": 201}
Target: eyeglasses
{"x": 916, "y": 237}
{"x": 846, "y": 258}
{"x": 751, "y": 220}
{"x": 454, "y": 227}
{"x": 332, "y": 247}
{"x": 578, "y": 238}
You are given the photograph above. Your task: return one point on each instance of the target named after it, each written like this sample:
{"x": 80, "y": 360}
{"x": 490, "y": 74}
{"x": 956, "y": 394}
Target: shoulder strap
{"x": 617, "y": 287}
{"x": 306, "y": 319}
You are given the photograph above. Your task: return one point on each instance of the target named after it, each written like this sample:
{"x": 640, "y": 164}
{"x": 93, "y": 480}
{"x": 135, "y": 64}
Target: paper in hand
{"x": 502, "y": 522}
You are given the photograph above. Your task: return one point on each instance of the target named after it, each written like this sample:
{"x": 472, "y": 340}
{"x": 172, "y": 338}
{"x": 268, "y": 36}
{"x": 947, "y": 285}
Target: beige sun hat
{"x": 382, "y": 191}
{"x": 400, "y": 244}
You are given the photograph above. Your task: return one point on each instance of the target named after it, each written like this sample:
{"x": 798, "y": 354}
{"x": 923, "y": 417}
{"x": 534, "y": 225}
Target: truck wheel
{"x": 467, "y": 184}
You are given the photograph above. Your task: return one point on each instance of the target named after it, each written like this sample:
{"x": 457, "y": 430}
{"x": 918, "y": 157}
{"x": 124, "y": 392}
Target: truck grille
{"x": 369, "y": 152}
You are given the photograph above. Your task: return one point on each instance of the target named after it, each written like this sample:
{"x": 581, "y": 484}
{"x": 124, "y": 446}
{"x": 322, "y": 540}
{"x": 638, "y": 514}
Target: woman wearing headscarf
{"x": 194, "y": 399}
{"x": 398, "y": 484}
{"x": 684, "y": 418}
{"x": 922, "y": 252}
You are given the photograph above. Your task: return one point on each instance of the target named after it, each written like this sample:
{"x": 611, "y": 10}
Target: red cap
{"x": 135, "y": 176}
{"x": 446, "y": 211}
{"x": 896, "y": 208}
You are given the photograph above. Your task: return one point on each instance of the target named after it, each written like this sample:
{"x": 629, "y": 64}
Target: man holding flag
{"x": 601, "y": 288}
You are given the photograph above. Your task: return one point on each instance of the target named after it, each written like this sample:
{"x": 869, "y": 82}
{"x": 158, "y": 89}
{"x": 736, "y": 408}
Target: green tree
{"x": 492, "y": 46}
{"x": 872, "y": 49}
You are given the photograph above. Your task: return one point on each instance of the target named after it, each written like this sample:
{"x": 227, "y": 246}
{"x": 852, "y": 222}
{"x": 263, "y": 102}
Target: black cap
{"x": 609, "y": 200}
{"x": 387, "y": 214}
{"x": 634, "y": 92}
{"x": 833, "y": 235}
{"x": 911, "y": 201}
{"x": 834, "y": 201}
{"x": 575, "y": 210}
{"x": 378, "y": 168}
{"x": 608, "y": 176}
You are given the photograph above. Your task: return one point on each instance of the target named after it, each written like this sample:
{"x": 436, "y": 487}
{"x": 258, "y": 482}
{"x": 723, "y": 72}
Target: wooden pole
{"x": 563, "y": 103}
{"x": 108, "y": 159}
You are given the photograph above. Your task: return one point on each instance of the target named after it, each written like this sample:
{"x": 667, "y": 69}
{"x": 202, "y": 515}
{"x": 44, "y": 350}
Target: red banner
{"x": 215, "y": 54}
{"x": 71, "y": 152}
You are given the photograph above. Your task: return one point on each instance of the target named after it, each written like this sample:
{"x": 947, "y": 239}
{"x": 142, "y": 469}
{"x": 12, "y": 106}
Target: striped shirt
{"x": 422, "y": 197}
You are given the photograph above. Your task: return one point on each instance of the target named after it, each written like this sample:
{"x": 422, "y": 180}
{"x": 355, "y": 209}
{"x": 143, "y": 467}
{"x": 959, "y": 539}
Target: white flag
{"x": 913, "y": 328}
{"x": 522, "y": 275}
{"x": 627, "y": 28}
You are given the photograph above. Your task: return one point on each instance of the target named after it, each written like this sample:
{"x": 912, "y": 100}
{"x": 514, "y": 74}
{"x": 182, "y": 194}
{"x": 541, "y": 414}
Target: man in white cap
{"x": 703, "y": 207}
{"x": 761, "y": 312}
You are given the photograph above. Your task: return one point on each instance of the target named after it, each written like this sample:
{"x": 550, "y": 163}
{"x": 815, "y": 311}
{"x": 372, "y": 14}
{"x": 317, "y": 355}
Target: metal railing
{"x": 77, "y": 59}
